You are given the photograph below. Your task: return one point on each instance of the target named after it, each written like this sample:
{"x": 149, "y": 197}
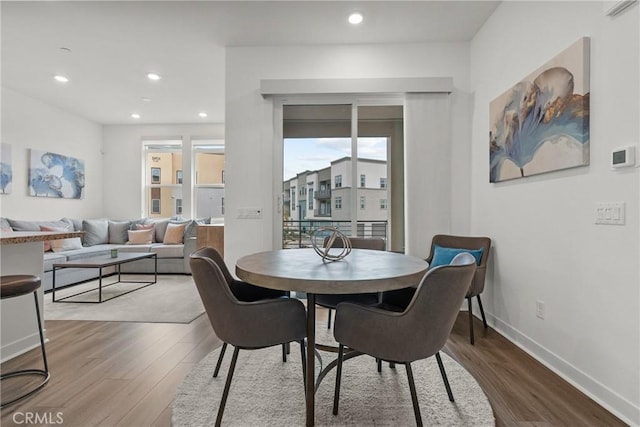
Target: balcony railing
{"x": 296, "y": 233}
{"x": 317, "y": 213}
{"x": 322, "y": 194}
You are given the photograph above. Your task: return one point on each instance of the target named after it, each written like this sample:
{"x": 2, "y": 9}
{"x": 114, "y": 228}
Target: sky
{"x": 302, "y": 154}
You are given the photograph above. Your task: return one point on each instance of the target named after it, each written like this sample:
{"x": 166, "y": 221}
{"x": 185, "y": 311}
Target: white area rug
{"x": 267, "y": 392}
{"x": 174, "y": 299}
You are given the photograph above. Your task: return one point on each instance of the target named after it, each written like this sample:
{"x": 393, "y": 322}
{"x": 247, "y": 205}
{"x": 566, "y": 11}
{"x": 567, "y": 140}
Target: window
{"x": 179, "y": 177}
{"x": 338, "y": 202}
{"x": 338, "y": 181}
{"x": 155, "y": 175}
{"x": 383, "y": 204}
{"x": 363, "y": 202}
{"x": 208, "y": 157}
{"x": 383, "y": 182}
{"x": 363, "y": 180}
{"x": 155, "y": 200}
{"x": 178, "y": 206}
{"x": 310, "y": 197}
{"x": 162, "y": 161}
{"x": 293, "y": 198}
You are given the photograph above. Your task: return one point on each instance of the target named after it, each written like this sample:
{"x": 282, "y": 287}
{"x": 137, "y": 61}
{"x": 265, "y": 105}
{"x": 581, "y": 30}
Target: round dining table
{"x": 303, "y": 270}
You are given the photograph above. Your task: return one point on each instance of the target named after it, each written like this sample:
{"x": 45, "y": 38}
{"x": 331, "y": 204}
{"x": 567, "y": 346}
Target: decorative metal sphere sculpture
{"x": 323, "y": 249}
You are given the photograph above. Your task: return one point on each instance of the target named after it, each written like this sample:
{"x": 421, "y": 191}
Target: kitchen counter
{"x": 22, "y": 252}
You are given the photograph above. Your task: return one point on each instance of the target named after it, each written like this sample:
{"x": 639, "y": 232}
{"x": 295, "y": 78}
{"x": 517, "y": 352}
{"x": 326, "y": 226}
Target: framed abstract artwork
{"x": 541, "y": 124}
{"x": 55, "y": 175}
{"x": 6, "y": 169}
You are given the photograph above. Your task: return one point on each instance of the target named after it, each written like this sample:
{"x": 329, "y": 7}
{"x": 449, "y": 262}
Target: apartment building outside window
{"x": 310, "y": 198}
{"x": 363, "y": 202}
{"x": 208, "y": 164}
{"x": 293, "y": 198}
{"x": 363, "y": 180}
{"x": 383, "y": 204}
{"x": 383, "y": 182}
{"x": 162, "y": 161}
{"x": 338, "y": 202}
{"x": 338, "y": 181}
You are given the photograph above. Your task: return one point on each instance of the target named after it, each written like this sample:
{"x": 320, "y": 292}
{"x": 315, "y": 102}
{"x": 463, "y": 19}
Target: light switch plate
{"x": 612, "y": 213}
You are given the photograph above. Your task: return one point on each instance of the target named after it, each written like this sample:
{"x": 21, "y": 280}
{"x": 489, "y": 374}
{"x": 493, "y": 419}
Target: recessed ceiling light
{"x": 202, "y": 114}
{"x": 60, "y": 78}
{"x": 66, "y": 49}
{"x": 153, "y": 76}
{"x": 145, "y": 99}
{"x": 135, "y": 115}
{"x": 355, "y": 18}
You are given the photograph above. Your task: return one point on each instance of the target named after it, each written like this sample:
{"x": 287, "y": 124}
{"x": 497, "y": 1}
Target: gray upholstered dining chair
{"x": 419, "y": 332}
{"x": 443, "y": 248}
{"x": 245, "y": 325}
{"x": 332, "y": 301}
{"x": 245, "y": 292}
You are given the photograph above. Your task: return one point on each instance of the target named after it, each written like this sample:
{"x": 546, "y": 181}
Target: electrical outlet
{"x": 540, "y": 309}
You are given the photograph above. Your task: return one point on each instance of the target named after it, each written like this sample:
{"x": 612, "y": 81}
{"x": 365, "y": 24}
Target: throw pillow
{"x": 174, "y": 234}
{"x": 118, "y": 231}
{"x": 140, "y": 237}
{"x": 161, "y": 227}
{"x": 443, "y": 255}
{"x": 60, "y": 245}
{"x": 147, "y": 227}
{"x": 96, "y": 231}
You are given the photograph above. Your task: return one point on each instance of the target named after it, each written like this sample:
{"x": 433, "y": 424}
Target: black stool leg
{"x": 414, "y": 395}
{"x": 329, "y": 319}
{"x": 44, "y": 373}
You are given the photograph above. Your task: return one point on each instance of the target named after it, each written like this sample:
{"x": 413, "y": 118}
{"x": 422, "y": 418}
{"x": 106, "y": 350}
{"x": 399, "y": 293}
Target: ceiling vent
{"x": 615, "y": 8}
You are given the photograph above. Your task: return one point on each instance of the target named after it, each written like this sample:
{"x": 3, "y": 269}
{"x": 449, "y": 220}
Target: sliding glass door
{"x": 322, "y": 185}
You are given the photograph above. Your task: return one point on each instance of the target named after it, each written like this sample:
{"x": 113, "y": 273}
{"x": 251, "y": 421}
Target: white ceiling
{"x": 115, "y": 44}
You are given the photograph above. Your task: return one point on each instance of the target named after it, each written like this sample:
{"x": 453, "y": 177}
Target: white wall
{"x": 249, "y": 153}
{"x": 28, "y": 123}
{"x": 546, "y": 245}
{"x": 123, "y": 162}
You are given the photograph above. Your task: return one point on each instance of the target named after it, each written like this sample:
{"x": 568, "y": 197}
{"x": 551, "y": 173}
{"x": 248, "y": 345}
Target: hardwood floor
{"x": 125, "y": 374}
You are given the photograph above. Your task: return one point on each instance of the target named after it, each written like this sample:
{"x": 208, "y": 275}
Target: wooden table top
{"x": 303, "y": 270}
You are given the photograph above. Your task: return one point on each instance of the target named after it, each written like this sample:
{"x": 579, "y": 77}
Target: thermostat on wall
{"x": 623, "y": 157}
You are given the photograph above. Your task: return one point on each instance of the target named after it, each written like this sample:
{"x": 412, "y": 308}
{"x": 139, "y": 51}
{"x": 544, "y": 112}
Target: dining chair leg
{"x": 414, "y": 395}
{"x": 379, "y": 361}
{"x": 284, "y": 352}
{"x": 227, "y": 386}
{"x": 303, "y": 352}
{"x": 484, "y": 318}
{"x": 444, "y": 377}
{"x": 470, "y": 319}
{"x": 336, "y": 395}
{"x": 329, "y": 319}
{"x": 224, "y": 348}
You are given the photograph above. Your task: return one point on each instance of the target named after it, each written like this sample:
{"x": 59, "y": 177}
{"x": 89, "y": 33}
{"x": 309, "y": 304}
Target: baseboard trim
{"x": 603, "y": 395}
{"x": 21, "y": 346}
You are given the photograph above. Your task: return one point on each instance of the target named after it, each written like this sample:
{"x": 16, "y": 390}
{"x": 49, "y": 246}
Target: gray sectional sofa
{"x": 102, "y": 235}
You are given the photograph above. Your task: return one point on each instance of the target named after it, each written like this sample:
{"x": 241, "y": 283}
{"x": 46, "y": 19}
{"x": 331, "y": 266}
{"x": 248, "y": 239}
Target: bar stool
{"x": 15, "y": 286}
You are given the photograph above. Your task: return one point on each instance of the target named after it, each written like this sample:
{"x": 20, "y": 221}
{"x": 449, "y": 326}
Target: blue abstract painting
{"x": 541, "y": 124}
{"x": 6, "y": 171}
{"x": 55, "y": 175}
